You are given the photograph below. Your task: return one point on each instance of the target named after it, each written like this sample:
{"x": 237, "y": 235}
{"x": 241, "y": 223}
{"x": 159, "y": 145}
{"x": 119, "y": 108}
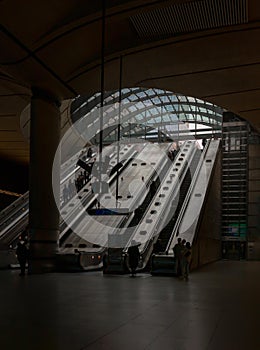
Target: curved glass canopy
{"x": 145, "y": 112}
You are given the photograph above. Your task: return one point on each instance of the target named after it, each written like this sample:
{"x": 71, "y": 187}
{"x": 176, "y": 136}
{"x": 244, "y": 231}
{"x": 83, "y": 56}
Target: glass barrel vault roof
{"x": 152, "y": 107}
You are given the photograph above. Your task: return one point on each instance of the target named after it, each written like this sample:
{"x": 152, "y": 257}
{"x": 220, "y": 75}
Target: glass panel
{"x": 176, "y": 107}
{"x": 194, "y": 108}
{"x": 186, "y": 108}
{"x": 166, "y": 118}
{"x": 150, "y": 92}
{"x": 154, "y": 111}
{"x": 173, "y": 98}
{"x": 182, "y": 98}
{"x": 164, "y": 98}
{"x": 205, "y": 119}
{"x": 139, "y": 105}
{"x": 156, "y": 100}
{"x": 169, "y": 108}
{"x": 132, "y": 97}
{"x": 132, "y": 108}
{"x": 190, "y": 116}
{"x": 141, "y": 94}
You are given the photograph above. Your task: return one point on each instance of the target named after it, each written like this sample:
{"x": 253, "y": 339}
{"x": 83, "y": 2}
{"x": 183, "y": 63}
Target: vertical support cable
{"x": 160, "y": 126}
{"x": 145, "y": 119}
{"x": 196, "y": 119}
{"x": 102, "y": 79}
{"x": 178, "y": 126}
{"x": 119, "y": 123}
{"x": 102, "y": 88}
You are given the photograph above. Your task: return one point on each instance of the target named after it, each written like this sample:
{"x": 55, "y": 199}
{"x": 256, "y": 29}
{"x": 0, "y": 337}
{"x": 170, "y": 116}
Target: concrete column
{"x": 44, "y": 215}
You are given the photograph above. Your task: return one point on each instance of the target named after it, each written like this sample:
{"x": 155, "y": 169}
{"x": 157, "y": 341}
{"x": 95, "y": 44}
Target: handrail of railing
{"x": 187, "y": 197}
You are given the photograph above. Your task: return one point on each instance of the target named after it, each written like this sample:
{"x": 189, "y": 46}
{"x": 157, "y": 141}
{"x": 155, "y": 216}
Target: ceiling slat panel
{"x": 189, "y": 17}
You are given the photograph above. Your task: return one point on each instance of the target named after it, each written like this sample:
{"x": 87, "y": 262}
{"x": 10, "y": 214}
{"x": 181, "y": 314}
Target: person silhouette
{"x": 133, "y": 257}
{"x": 22, "y": 255}
{"x": 204, "y": 142}
{"x": 177, "y": 256}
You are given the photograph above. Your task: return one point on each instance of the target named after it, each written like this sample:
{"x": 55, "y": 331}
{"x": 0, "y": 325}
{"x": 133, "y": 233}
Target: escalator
{"x": 167, "y": 200}
{"x": 14, "y": 219}
{"x": 115, "y": 255}
{"x": 189, "y": 217}
{"x": 167, "y": 231}
{"x": 73, "y": 212}
{"x": 105, "y": 224}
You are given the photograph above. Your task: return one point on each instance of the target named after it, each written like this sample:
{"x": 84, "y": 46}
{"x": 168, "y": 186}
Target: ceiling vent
{"x": 189, "y": 17}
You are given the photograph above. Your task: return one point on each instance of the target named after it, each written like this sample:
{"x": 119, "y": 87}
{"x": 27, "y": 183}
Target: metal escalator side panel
{"x": 195, "y": 166}
{"x": 167, "y": 233}
{"x": 189, "y": 222}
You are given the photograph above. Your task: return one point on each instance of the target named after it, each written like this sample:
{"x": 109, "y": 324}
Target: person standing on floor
{"x": 22, "y": 255}
{"x": 187, "y": 253}
{"x": 133, "y": 257}
{"x": 177, "y": 249}
{"x": 204, "y": 142}
{"x": 183, "y": 244}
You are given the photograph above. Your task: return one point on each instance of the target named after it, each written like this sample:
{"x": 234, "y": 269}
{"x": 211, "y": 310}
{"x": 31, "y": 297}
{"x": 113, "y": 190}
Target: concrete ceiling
{"x": 191, "y": 47}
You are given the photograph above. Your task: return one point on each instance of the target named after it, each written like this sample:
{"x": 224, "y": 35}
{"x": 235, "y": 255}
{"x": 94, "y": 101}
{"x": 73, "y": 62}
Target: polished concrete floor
{"x": 217, "y": 309}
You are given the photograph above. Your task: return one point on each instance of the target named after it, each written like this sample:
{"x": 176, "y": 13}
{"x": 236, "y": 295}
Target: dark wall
{"x": 253, "y": 234}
